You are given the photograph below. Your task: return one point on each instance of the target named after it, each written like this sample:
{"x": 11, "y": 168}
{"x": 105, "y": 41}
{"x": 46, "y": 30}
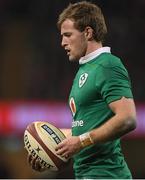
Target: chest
{"x": 84, "y": 90}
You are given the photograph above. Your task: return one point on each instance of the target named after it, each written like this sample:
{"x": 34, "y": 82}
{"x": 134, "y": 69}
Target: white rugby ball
{"x": 40, "y": 140}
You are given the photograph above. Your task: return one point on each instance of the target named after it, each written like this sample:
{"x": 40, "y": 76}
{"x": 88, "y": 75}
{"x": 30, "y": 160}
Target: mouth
{"x": 68, "y": 51}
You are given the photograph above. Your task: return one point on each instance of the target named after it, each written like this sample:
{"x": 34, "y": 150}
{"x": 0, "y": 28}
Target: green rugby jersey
{"x": 100, "y": 80}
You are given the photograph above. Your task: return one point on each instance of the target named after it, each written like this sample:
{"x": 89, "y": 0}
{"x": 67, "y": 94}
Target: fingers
{"x": 67, "y": 156}
{"x": 62, "y": 150}
{"x": 59, "y": 146}
{"x": 29, "y": 158}
{"x": 35, "y": 163}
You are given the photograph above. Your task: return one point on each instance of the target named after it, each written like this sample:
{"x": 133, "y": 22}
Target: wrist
{"x": 86, "y": 139}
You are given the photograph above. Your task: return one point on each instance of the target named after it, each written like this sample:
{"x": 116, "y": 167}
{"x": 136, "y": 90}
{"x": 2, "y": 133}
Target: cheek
{"x": 80, "y": 46}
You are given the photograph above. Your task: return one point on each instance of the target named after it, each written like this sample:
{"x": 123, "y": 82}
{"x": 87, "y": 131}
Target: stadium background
{"x": 36, "y": 76}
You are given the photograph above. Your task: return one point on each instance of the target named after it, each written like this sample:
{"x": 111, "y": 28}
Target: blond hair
{"x": 85, "y": 14}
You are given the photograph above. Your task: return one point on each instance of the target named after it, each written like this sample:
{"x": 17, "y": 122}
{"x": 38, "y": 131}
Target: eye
{"x": 67, "y": 34}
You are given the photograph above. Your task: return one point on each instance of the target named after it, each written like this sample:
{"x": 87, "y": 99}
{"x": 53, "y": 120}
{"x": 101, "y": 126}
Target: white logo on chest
{"x": 83, "y": 79}
{"x": 78, "y": 123}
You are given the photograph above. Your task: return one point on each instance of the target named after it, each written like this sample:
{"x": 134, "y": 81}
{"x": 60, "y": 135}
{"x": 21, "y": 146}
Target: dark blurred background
{"x": 35, "y": 74}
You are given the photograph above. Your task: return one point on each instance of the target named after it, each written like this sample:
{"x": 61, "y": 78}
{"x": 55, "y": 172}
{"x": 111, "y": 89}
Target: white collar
{"x": 94, "y": 54}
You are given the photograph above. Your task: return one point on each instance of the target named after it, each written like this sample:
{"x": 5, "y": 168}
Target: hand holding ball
{"x": 41, "y": 139}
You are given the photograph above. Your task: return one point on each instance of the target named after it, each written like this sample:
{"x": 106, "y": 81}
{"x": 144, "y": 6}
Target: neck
{"x": 92, "y": 46}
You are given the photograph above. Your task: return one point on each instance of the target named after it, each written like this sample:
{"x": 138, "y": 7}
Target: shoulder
{"x": 108, "y": 60}
{"x": 111, "y": 64}
{"x": 110, "y": 67}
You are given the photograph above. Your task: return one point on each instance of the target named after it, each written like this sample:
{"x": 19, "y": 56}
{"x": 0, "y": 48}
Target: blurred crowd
{"x": 33, "y": 66}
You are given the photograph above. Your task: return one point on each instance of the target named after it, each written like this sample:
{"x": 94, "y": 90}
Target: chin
{"x": 74, "y": 59}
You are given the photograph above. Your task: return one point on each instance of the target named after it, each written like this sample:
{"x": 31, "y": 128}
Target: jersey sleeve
{"x": 116, "y": 84}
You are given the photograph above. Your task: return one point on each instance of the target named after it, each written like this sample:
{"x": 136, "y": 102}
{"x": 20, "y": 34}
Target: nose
{"x": 63, "y": 42}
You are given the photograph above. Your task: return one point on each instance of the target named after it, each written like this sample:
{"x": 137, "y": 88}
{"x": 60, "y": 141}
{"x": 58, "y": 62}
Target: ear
{"x": 89, "y": 33}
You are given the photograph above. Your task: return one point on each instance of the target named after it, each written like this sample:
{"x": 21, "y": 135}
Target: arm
{"x": 120, "y": 124}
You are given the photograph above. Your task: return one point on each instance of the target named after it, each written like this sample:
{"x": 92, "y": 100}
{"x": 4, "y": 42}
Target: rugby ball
{"x": 40, "y": 140}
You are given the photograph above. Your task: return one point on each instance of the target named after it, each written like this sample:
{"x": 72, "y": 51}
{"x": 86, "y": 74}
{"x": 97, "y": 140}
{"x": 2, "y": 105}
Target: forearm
{"x": 120, "y": 124}
{"x": 114, "y": 128}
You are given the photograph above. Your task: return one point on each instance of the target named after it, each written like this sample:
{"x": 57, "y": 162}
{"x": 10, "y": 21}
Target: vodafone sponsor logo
{"x": 72, "y": 106}
{"x": 77, "y": 123}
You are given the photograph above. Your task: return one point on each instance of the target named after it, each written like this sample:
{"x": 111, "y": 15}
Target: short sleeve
{"x": 116, "y": 84}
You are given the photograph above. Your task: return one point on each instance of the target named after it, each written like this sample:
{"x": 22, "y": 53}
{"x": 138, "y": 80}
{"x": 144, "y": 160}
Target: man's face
{"x": 73, "y": 41}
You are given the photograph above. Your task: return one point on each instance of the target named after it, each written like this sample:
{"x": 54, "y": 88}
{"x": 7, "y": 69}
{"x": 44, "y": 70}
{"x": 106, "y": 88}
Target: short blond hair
{"x": 85, "y": 14}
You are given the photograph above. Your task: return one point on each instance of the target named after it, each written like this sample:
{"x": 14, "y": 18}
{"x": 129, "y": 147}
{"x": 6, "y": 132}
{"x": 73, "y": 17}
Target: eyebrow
{"x": 66, "y": 33}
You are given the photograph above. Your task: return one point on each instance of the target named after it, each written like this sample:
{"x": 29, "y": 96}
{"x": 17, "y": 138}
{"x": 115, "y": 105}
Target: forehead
{"x": 67, "y": 25}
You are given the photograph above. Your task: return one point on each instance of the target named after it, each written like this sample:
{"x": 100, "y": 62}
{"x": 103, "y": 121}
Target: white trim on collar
{"x": 94, "y": 54}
